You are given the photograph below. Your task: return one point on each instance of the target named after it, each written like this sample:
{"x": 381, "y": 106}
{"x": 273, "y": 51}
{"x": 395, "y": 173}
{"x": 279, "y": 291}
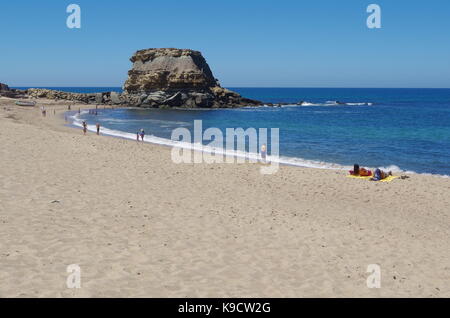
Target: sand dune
{"x": 141, "y": 226}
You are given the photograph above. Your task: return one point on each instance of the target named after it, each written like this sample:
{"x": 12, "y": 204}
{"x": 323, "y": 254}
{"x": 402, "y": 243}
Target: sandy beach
{"x": 139, "y": 225}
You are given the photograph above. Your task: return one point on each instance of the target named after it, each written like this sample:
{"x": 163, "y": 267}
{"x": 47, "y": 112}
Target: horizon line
{"x": 332, "y": 87}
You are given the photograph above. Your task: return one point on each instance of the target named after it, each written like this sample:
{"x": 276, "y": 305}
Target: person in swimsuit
{"x": 98, "y": 128}
{"x": 384, "y": 174}
{"x": 84, "y": 127}
{"x": 360, "y": 171}
{"x": 380, "y": 175}
{"x": 142, "y": 133}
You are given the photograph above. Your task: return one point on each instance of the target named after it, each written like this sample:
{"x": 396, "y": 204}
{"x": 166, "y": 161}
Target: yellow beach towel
{"x": 358, "y": 177}
{"x": 388, "y": 179}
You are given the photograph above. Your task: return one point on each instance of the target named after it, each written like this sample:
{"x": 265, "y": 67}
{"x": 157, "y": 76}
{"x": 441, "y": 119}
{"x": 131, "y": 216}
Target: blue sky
{"x": 320, "y": 43}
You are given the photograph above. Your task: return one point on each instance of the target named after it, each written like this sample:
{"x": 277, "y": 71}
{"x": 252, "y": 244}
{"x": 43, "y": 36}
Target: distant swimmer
{"x": 142, "y": 133}
{"x": 84, "y": 127}
{"x": 98, "y": 128}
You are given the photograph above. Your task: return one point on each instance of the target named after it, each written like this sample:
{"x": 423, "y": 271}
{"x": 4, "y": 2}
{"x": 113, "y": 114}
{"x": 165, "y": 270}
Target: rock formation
{"x": 168, "y": 69}
{"x": 4, "y": 87}
{"x": 159, "y": 78}
{"x": 176, "y": 78}
{"x": 11, "y": 92}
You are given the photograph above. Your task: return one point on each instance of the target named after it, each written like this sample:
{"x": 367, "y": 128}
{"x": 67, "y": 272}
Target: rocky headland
{"x": 10, "y": 92}
{"x": 159, "y": 78}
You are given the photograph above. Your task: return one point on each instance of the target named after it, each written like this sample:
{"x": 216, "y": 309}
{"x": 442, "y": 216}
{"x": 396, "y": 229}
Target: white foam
{"x": 329, "y": 103}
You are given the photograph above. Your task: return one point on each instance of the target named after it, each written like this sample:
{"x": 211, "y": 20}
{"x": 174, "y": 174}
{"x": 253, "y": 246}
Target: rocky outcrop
{"x": 159, "y": 78}
{"x": 3, "y": 87}
{"x": 93, "y": 98}
{"x": 11, "y": 92}
{"x": 168, "y": 69}
{"x": 176, "y": 78}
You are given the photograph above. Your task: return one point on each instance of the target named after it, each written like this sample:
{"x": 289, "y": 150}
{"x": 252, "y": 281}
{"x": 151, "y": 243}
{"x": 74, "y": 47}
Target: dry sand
{"x": 141, "y": 226}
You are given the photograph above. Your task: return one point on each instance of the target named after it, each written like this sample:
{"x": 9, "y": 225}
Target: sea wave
{"x": 146, "y": 120}
{"x": 325, "y": 104}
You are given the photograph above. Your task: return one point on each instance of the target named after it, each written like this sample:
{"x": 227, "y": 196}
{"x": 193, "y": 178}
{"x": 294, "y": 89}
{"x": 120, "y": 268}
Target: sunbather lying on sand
{"x": 380, "y": 175}
{"x": 360, "y": 171}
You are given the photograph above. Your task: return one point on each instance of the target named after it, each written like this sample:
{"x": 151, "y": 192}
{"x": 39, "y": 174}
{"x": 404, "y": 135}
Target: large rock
{"x": 11, "y": 92}
{"x": 168, "y": 69}
{"x": 115, "y": 98}
{"x": 4, "y": 87}
{"x": 177, "y": 78}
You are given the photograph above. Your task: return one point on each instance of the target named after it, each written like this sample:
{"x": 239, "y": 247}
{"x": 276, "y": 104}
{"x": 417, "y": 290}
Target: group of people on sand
{"x": 377, "y": 175}
{"x": 140, "y": 134}
{"x": 44, "y": 111}
{"x": 97, "y": 126}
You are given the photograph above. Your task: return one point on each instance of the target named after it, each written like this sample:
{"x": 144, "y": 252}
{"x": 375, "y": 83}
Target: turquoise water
{"x": 400, "y": 129}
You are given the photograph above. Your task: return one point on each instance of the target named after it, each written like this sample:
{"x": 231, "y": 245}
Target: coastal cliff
{"x": 159, "y": 78}
{"x": 168, "y": 69}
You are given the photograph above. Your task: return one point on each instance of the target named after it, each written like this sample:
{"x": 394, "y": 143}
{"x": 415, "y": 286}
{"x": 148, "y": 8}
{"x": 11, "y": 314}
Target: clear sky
{"x": 251, "y": 43}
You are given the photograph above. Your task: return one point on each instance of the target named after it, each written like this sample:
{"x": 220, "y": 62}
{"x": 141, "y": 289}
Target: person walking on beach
{"x": 263, "y": 153}
{"x": 69, "y": 107}
{"x": 142, "y": 133}
{"x": 84, "y": 127}
{"x": 43, "y": 111}
{"x": 98, "y": 128}
{"x": 137, "y": 136}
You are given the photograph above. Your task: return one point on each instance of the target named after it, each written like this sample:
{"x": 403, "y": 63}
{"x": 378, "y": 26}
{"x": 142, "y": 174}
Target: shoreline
{"x": 141, "y": 226}
{"x": 281, "y": 160}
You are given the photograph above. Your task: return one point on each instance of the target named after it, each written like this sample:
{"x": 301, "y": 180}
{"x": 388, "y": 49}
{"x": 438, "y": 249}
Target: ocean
{"x": 395, "y": 129}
